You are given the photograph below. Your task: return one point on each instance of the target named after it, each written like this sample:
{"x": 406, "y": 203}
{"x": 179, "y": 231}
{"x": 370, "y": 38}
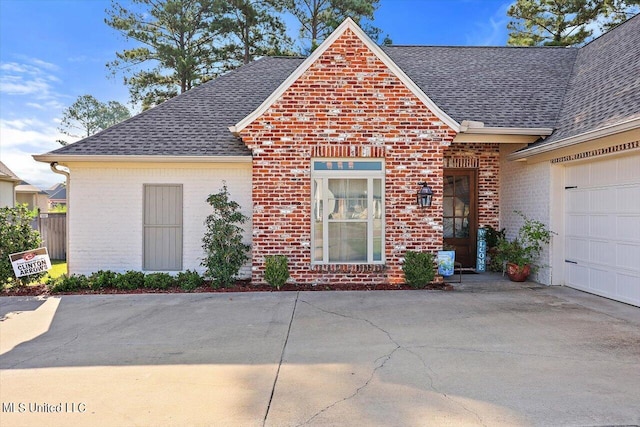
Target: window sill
{"x": 348, "y": 268}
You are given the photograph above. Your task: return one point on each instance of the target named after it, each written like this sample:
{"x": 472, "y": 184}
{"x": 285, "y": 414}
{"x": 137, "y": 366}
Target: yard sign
{"x": 30, "y": 262}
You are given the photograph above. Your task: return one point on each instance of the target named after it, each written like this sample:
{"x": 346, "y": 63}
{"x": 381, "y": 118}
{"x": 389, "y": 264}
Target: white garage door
{"x": 602, "y": 226}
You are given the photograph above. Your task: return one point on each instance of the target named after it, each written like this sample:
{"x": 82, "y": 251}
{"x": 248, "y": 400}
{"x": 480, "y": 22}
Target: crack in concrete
{"x": 385, "y": 359}
{"x": 284, "y": 347}
{"x": 436, "y": 390}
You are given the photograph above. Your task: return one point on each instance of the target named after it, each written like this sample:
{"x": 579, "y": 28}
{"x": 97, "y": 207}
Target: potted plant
{"x": 520, "y": 254}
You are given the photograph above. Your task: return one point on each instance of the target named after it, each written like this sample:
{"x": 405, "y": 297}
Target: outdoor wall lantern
{"x": 424, "y": 196}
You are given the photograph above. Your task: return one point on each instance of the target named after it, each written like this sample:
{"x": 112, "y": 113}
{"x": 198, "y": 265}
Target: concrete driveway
{"x": 489, "y": 353}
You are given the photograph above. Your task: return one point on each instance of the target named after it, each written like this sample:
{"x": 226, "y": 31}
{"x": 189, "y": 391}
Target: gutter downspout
{"x": 53, "y": 166}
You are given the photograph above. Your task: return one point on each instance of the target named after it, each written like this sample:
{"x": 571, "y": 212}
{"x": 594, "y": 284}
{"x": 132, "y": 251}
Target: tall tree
{"x": 565, "y": 22}
{"x": 318, "y": 18}
{"x": 87, "y": 116}
{"x": 252, "y": 28}
{"x": 176, "y": 47}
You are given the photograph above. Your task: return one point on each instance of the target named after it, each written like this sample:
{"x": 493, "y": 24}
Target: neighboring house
{"x": 326, "y": 155}
{"x": 32, "y": 196}
{"x": 8, "y": 182}
{"x": 57, "y": 197}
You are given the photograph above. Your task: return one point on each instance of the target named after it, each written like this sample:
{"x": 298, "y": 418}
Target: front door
{"x": 460, "y": 214}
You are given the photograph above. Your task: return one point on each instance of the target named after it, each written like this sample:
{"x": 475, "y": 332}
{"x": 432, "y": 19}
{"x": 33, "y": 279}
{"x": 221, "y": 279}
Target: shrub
{"x": 130, "y": 280}
{"x": 525, "y": 249}
{"x": 69, "y": 284}
{"x": 16, "y": 235}
{"x": 224, "y": 251}
{"x": 276, "y": 271}
{"x": 189, "y": 280}
{"x": 418, "y": 269}
{"x": 159, "y": 281}
{"x": 103, "y": 280}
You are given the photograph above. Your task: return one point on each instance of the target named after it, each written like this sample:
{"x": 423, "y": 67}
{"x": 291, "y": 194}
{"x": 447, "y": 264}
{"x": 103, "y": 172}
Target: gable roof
{"x": 7, "y": 175}
{"x": 59, "y": 194}
{"x": 572, "y": 90}
{"x": 347, "y": 25}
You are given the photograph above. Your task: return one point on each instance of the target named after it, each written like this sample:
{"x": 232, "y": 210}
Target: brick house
{"x": 326, "y": 155}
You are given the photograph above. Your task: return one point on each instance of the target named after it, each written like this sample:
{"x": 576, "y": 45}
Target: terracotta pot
{"x": 517, "y": 274}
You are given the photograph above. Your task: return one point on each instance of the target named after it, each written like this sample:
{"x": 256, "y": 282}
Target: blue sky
{"x": 52, "y": 51}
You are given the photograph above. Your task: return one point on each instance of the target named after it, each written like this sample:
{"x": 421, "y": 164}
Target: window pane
{"x": 347, "y": 242}
{"x": 447, "y": 206}
{"x": 347, "y": 198}
{"x": 317, "y": 241}
{"x": 346, "y": 166}
{"x": 377, "y": 198}
{"x": 377, "y": 240}
{"x": 448, "y": 186}
{"x": 447, "y": 227}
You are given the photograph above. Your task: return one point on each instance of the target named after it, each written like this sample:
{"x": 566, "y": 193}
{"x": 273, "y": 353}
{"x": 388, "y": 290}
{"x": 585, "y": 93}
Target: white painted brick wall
{"x": 106, "y": 205}
{"x": 526, "y": 188}
{"x": 6, "y": 194}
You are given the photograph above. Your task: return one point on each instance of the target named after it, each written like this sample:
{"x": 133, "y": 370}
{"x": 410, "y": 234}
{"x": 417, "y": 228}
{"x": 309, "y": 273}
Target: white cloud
{"x": 23, "y": 138}
{"x": 493, "y": 32}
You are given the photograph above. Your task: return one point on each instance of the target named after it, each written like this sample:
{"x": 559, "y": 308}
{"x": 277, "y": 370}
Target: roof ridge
{"x": 605, "y": 34}
{"x": 479, "y": 47}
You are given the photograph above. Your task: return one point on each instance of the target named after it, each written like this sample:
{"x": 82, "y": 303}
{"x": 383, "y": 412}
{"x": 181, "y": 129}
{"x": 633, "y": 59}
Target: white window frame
{"x": 345, "y": 173}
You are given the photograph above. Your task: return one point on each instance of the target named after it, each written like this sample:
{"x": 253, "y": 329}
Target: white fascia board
{"x": 67, "y": 158}
{"x": 508, "y": 131}
{"x": 576, "y": 139}
{"x": 347, "y": 24}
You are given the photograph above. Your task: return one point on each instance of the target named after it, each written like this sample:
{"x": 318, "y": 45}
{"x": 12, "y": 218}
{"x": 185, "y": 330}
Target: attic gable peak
{"x": 347, "y": 24}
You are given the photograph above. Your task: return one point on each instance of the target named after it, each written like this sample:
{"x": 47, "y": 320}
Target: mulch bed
{"x": 240, "y": 286}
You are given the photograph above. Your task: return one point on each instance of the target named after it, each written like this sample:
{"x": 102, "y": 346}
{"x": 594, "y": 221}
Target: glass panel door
{"x": 459, "y": 213}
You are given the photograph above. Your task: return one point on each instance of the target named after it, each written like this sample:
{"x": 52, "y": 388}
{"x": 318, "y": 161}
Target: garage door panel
{"x": 627, "y": 257}
{"x": 578, "y": 202}
{"x": 578, "y": 276}
{"x": 578, "y": 248}
{"x": 602, "y": 200}
{"x": 628, "y": 288}
{"x": 599, "y": 226}
{"x": 601, "y": 282}
{"x": 577, "y": 175}
{"x": 578, "y": 225}
{"x": 627, "y": 169}
{"x": 602, "y": 173}
{"x": 601, "y": 252}
{"x": 602, "y": 227}
{"x": 628, "y": 199}
{"x": 628, "y": 228}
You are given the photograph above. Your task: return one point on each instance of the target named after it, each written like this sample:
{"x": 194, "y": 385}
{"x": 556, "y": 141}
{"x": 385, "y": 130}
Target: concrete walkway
{"x": 488, "y": 353}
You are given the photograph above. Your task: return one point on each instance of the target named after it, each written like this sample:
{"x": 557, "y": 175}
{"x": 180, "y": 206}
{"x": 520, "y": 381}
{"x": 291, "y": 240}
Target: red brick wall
{"x": 346, "y": 105}
{"x": 487, "y": 158}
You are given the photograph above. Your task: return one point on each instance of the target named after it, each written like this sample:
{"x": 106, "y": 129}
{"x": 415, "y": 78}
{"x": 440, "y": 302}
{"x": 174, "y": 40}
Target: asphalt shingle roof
{"x": 195, "y": 123}
{"x": 500, "y": 86}
{"x": 572, "y": 90}
{"x": 604, "y": 88}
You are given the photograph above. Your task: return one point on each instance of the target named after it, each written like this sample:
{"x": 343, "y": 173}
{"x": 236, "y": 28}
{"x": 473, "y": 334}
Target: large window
{"x": 348, "y": 211}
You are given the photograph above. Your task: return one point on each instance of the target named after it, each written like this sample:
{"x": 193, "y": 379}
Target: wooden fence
{"x": 53, "y": 231}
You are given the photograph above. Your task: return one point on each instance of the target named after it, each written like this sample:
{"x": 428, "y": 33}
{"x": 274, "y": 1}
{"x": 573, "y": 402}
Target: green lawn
{"x": 58, "y": 268}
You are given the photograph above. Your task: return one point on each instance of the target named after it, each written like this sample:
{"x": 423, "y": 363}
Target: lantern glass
{"x": 424, "y": 196}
